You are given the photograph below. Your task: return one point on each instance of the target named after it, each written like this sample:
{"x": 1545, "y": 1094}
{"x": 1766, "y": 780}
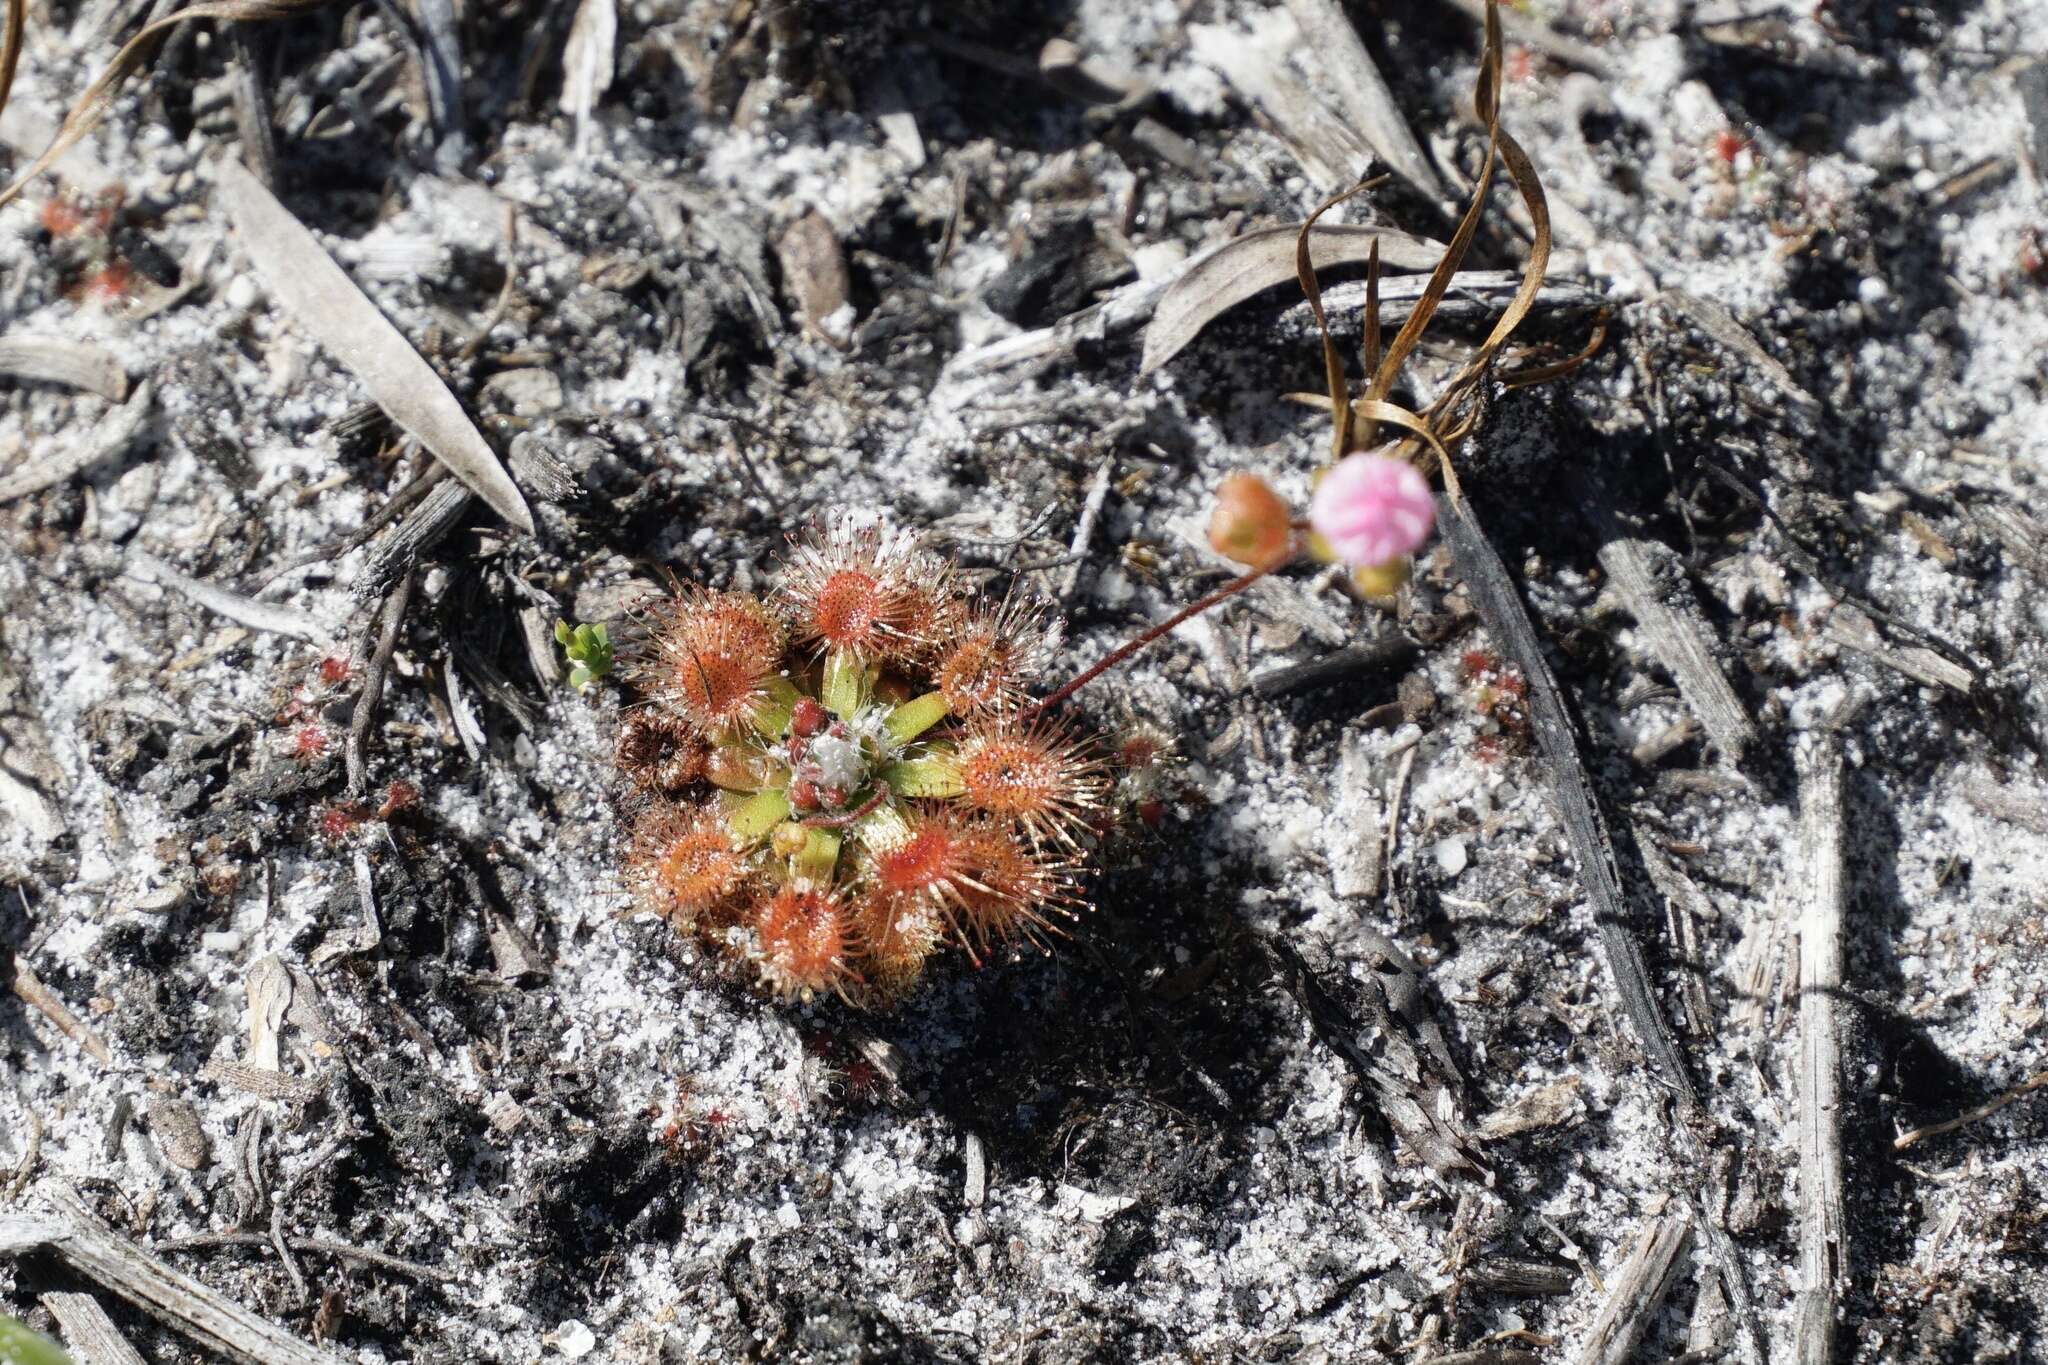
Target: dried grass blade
{"x": 1227, "y": 275}
{"x": 1533, "y": 33}
{"x": 1369, "y": 341}
{"x": 1333, "y": 363}
{"x": 1488, "y": 109}
{"x": 327, "y": 304}
{"x": 1451, "y": 404}
{"x": 1557, "y": 369}
{"x": 1393, "y": 414}
{"x": 1531, "y": 187}
{"x": 98, "y": 98}
{"x": 10, "y": 46}
{"x": 1523, "y": 172}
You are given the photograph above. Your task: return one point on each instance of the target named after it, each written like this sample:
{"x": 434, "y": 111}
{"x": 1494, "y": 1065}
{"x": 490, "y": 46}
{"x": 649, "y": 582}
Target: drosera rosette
{"x": 848, "y": 777}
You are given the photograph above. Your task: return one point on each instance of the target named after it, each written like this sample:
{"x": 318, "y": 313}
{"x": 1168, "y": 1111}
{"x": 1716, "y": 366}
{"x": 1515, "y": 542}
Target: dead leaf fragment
{"x": 1093, "y": 79}
{"x": 815, "y": 271}
{"x": 1225, "y": 276}
{"x": 1330, "y": 39}
{"x": 269, "y": 985}
{"x": 56, "y": 360}
{"x": 174, "y": 1123}
{"x": 327, "y": 305}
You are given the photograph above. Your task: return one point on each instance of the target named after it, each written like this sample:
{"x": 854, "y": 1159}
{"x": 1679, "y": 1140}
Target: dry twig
{"x": 1823, "y": 1224}
{"x": 1677, "y": 639}
{"x": 78, "y": 1237}
{"x": 292, "y": 621}
{"x": 89, "y": 1332}
{"x": 315, "y": 1245}
{"x": 1983, "y": 1111}
{"x": 30, "y": 990}
{"x": 1638, "y": 1293}
{"x": 373, "y": 672}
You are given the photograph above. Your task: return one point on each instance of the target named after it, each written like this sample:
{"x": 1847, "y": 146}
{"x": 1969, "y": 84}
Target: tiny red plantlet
{"x": 309, "y": 743}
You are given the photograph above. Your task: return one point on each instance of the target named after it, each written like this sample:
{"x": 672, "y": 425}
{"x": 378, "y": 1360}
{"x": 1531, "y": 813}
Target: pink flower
{"x": 1372, "y": 509}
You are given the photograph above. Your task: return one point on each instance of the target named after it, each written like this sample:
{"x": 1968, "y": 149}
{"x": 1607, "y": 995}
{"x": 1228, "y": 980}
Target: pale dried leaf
{"x": 1220, "y": 279}
{"x": 10, "y": 46}
{"x": 175, "y": 1125}
{"x": 1094, "y": 79}
{"x": 329, "y": 307}
{"x": 814, "y": 268}
{"x": 270, "y": 987}
{"x": 55, "y": 360}
{"x": 587, "y": 63}
{"x": 29, "y": 809}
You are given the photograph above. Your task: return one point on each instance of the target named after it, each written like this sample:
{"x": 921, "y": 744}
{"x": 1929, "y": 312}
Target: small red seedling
{"x": 2033, "y": 258}
{"x": 863, "y": 1081}
{"x": 1498, "y": 695}
{"x": 691, "y": 1129}
{"x": 82, "y": 244}
{"x": 309, "y": 743}
{"x": 111, "y": 284}
{"x": 399, "y": 796}
{"x": 62, "y": 216}
{"x": 1729, "y": 145}
{"x": 339, "y": 821}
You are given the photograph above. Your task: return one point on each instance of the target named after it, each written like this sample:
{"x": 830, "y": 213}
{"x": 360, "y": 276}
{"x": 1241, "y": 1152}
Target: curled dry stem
{"x": 1450, "y": 419}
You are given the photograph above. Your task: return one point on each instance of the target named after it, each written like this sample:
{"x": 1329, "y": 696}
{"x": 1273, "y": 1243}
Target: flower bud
{"x": 1251, "y": 525}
